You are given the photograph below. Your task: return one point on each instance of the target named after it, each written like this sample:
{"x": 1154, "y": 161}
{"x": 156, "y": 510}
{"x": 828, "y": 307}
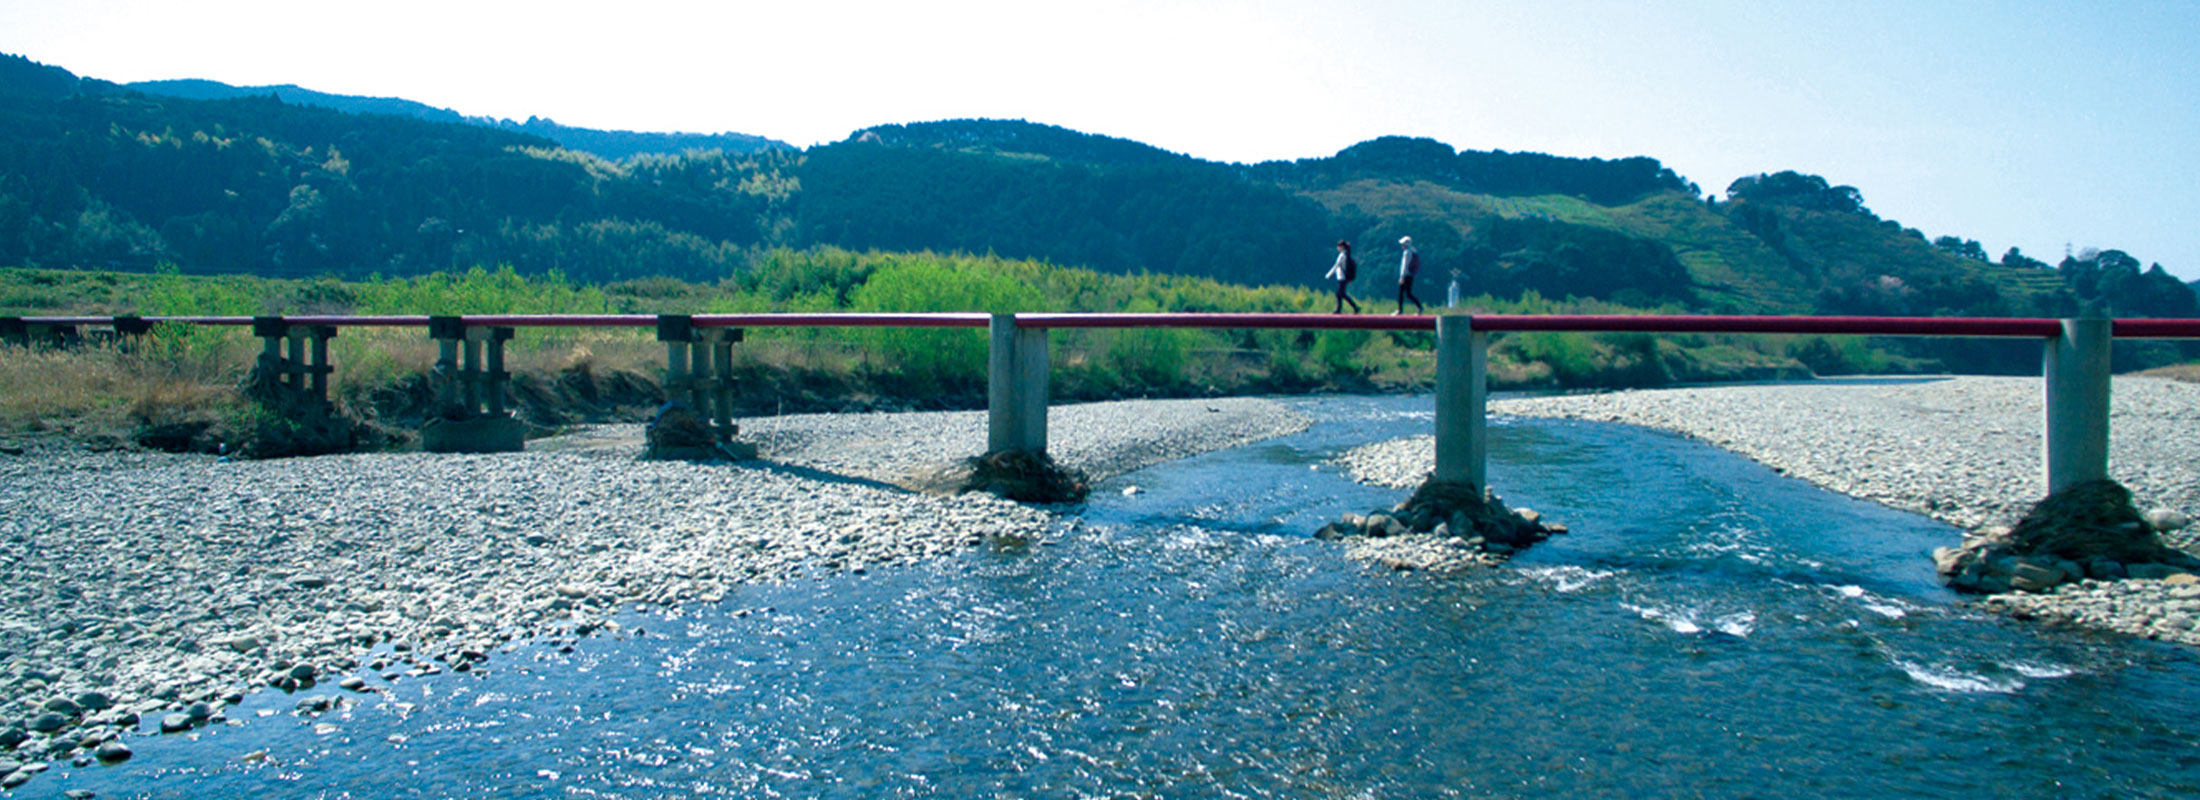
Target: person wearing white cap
{"x": 1409, "y": 265}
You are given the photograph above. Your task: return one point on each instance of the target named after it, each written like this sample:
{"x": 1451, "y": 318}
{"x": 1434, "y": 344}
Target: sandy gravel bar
{"x": 1963, "y": 450}
{"x": 143, "y": 588}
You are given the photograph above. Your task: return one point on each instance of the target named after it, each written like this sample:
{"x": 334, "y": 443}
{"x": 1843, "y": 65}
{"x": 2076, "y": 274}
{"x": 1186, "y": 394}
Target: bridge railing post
{"x": 677, "y": 331}
{"x": 717, "y": 346}
{"x": 130, "y": 330}
{"x": 2076, "y": 406}
{"x": 1462, "y": 401}
{"x": 317, "y": 367}
{"x": 447, "y": 333}
{"x": 1016, "y": 387}
{"x": 273, "y": 332}
{"x": 495, "y": 378}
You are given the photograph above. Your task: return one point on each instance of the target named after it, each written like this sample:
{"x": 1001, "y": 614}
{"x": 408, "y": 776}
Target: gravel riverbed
{"x": 145, "y": 590}
{"x": 1963, "y": 450}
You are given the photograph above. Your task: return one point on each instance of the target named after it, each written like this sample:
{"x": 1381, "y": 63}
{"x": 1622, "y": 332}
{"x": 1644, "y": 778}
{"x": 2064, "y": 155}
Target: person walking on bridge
{"x": 1409, "y": 265}
{"x": 1343, "y": 273}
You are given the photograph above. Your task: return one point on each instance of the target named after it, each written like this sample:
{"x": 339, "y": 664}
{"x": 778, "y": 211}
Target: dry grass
{"x": 2189, "y": 373}
{"x": 101, "y": 392}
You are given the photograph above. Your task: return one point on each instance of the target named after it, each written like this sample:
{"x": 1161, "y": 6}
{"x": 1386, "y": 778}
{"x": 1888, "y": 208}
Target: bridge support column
{"x": 699, "y": 373}
{"x": 2076, "y": 377}
{"x": 129, "y": 330}
{"x": 717, "y": 345}
{"x": 470, "y": 390}
{"x": 1462, "y": 402}
{"x": 294, "y": 357}
{"x": 1016, "y": 388}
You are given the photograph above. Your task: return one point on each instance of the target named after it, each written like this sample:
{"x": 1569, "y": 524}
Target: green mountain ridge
{"x": 96, "y": 174}
{"x": 612, "y": 145}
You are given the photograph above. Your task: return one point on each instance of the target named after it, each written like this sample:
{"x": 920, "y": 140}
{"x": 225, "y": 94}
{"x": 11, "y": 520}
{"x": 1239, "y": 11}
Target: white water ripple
{"x": 1955, "y": 680}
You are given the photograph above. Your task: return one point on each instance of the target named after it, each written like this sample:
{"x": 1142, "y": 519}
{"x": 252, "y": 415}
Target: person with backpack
{"x": 1409, "y": 265}
{"x": 1344, "y": 272}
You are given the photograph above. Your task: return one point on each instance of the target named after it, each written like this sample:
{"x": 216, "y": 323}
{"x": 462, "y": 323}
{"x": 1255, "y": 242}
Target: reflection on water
{"x": 1709, "y": 629}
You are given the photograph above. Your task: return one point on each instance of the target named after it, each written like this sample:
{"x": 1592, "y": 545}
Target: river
{"x": 1709, "y": 628}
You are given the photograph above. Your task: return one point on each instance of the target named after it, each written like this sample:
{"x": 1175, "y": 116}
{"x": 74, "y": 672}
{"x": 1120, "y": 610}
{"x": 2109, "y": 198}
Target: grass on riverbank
{"x": 2189, "y": 373}
{"x": 185, "y": 374}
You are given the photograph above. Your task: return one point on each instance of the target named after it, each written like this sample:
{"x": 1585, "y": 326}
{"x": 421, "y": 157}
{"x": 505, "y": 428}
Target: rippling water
{"x": 1709, "y": 629}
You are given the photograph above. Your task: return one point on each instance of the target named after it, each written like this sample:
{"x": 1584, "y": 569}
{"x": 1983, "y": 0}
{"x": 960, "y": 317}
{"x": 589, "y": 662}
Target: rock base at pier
{"x": 1461, "y": 513}
{"x": 681, "y": 433}
{"x": 2090, "y": 530}
{"x": 1020, "y": 476}
{"x": 294, "y": 422}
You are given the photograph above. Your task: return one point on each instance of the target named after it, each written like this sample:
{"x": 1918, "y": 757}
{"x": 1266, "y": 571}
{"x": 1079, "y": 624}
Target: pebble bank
{"x": 146, "y": 591}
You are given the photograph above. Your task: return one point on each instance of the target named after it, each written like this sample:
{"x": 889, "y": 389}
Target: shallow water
{"x": 1708, "y": 629}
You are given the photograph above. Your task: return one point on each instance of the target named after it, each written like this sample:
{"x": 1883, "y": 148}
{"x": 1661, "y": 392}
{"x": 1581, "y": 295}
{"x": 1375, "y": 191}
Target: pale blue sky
{"x": 2032, "y": 124}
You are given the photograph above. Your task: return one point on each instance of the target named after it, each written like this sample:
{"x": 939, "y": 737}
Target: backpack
{"x": 1351, "y": 268}
{"x": 1413, "y": 263}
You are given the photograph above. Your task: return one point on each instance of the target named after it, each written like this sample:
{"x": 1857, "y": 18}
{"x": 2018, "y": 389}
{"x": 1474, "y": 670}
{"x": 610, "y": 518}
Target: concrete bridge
{"x": 471, "y": 377}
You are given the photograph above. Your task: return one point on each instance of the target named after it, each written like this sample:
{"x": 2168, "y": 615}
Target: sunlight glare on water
{"x": 1708, "y": 629}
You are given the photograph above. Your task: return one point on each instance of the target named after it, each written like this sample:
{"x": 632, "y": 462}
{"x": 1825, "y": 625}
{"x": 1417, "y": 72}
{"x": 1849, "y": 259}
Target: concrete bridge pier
{"x": 1462, "y": 402}
{"x": 17, "y": 331}
{"x": 472, "y": 416}
{"x": 2076, "y": 379}
{"x": 1016, "y": 388}
{"x": 294, "y": 358}
{"x": 699, "y": 372}
{"x": 128, "y": 329}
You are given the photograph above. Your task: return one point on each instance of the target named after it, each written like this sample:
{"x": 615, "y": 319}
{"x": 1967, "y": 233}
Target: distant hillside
{"x": 95, "y": 174}
{"x": 611, "y": 145}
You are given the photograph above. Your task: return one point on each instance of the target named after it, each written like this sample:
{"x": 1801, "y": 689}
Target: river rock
{"x": 49, "y": 722}
{"x": 14, "y": 779}
{"x": 63, "y": 705}
{"x": 2167, "y": 519}
{"x": 309, "y": 581}
{"x": 2030, "y": 577}
{"x": 302, "y": 672}
{"x": 175, "y": 723}
{"x": 113, "y": 751}
{"x": 2150, "y": 572}
{"x": 96, "y": 701}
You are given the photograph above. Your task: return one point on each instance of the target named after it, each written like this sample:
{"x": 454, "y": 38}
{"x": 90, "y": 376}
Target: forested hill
{"x": 95, "y": 174}
{"x": 613, "y": 145}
